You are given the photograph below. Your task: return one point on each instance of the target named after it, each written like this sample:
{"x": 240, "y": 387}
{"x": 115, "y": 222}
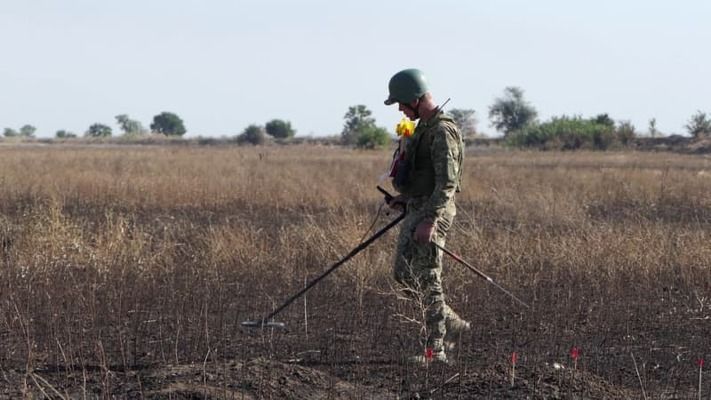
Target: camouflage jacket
{"x": 432, "y": 165}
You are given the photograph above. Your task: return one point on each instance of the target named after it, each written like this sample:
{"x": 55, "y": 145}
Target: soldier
{"x": 427, "y": 174}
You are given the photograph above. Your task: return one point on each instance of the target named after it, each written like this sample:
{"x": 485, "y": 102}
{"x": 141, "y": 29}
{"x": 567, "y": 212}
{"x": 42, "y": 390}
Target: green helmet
{"x": 406, "y": 86}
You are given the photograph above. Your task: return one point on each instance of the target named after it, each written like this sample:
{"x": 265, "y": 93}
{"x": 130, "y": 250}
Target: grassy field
{"x": 117, "y": 262}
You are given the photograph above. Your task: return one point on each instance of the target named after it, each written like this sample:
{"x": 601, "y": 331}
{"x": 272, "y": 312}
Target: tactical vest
{"x": 415, "y": 176}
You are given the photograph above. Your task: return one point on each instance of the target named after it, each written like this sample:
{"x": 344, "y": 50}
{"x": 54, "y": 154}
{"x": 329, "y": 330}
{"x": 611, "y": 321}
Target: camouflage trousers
{"x": 418, "y": 268}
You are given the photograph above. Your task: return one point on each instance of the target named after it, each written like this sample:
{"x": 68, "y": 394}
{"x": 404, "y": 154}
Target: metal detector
{"x": 267, "y": 322}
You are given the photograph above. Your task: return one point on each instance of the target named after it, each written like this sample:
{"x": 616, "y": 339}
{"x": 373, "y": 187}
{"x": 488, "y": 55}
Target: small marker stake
{"x": 574, "y": 354}
{"x": 700, "y": 363}
{"x": 428, "y": 353}
{"x": 514, "y": 359}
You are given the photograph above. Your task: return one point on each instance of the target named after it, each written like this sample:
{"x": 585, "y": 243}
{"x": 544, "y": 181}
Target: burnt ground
{"x": 261, "y": 378}
{"x": 644, "y": 344}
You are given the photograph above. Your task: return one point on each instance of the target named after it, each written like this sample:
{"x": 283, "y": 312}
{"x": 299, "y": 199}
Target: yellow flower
{"x": 405, "y": 127}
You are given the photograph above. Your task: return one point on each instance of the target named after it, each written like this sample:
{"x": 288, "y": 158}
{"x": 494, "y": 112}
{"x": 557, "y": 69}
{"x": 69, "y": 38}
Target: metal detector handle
{"x": 388, "y": 196}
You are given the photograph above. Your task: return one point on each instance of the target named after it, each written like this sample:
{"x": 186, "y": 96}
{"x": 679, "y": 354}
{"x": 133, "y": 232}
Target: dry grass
{"x": 122, "y": 256}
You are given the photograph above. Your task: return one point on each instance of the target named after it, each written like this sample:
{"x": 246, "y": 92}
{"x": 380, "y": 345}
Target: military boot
{"x": 456, "y": 328}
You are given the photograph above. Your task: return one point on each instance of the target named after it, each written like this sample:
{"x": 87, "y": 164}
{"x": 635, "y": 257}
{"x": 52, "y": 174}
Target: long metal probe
{"x": 481, "y": 274}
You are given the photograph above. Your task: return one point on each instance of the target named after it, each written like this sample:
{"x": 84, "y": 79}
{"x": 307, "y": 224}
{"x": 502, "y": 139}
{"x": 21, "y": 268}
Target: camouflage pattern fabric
{"x": 418, "y": 268}
{"x": 435, "y": 157}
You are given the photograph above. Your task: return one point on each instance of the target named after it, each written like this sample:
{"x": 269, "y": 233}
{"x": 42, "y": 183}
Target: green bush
{"x": 571, "y": 133}
{"x": 9, "y": 132}
{"x": 98, "y": 130}
{"x": 279, "y": 129}
{"x": 373, "y": 137}
{"x": 253, "y": 134}
{"x": 64, "y": 134}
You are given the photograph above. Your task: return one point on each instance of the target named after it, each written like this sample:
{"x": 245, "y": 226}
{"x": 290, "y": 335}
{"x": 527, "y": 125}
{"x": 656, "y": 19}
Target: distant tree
{"x": 373, "y": 137}
{"x": 64, "y": 134}
{"x": 358, "y": 119}
{"x": 699, "y": 125}
{"x": 279, "y": 129}
{"x": 130, "y": 126}
{"x": 625, "y": 132}
{"x": 168, "y": 124}
{"x": 28, "y": 131}
{"x": 253, "y": 134}
{"x": 652, "y": 129}
{"x": 9, "y": 132}
{"x": 465, "y": 120}
{"x": 511, "y": 112}
{"x": 98, "y": 130}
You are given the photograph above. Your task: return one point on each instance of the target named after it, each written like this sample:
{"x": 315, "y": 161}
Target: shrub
{"x": 98, "y": 130}
{"x": 566, "y": 133}
{"x": 253, "y": 134}
{"x": 63, "y": 134}
{"x": 373, "y": 137}
{"x": 279, "y": 129}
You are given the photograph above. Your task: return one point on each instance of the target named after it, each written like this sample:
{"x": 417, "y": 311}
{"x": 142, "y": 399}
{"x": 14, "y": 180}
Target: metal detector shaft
{"x": 353, "y": 252}
{"x": 481, "y": 274}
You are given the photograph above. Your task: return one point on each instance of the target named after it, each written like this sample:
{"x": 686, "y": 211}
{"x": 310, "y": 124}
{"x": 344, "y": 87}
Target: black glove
{"x": 398, "y": 202}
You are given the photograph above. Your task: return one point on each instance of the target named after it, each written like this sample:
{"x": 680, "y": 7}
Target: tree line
{"x": 510, "y": 114}
{"x": 517, "y": 119}
{"x": 165, "y": 123}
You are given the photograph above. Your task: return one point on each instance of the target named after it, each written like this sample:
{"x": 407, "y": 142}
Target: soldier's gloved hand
{"x": 398, "y": 202}
{"x": 424, "y": 231}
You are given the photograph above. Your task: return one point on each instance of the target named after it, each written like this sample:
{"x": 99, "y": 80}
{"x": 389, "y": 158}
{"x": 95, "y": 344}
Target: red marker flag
{"x": 574, "y": 353}
{"x": 428, "y": 353}
{"x": 700, "y": 362}
{"x": 514, "y": 358}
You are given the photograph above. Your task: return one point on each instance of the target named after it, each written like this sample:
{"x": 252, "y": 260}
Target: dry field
{"x": 125, "y": 272}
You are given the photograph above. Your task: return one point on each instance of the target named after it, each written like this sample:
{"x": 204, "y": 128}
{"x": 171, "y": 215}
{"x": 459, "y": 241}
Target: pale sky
{"x": 222, "y": 65}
